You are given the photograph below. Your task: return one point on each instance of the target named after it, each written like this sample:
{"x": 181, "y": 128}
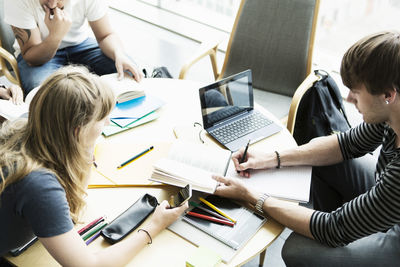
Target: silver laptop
{"x": 228, "y": 112}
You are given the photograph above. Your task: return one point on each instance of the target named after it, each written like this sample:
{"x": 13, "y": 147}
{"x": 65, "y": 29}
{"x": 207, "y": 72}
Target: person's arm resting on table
{"x": 70, "y": 250}
{"x": 320, "y": 151}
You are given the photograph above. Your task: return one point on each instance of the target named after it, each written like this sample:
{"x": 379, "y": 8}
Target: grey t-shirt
{"x": 36, "y": 205}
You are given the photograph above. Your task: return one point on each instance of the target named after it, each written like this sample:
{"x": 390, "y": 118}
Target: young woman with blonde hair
{"x": 45, "y": 162}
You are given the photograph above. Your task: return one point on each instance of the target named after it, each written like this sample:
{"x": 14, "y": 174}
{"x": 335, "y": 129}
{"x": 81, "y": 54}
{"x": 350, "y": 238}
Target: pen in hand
{"x": 135, "y": 157}
{"x": 244, "y": 154}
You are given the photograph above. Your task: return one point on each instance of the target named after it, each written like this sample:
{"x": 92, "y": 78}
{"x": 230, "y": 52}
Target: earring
{"x": 387, "y": 102}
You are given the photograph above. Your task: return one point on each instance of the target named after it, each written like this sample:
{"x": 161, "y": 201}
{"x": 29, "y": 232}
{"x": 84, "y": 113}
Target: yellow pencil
{"x": 94, "y": 186}
{"x": 216, "y": 209}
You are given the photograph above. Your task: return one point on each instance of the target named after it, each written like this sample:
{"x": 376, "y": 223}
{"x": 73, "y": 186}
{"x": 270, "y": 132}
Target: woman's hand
{"x": 163, "y": 216}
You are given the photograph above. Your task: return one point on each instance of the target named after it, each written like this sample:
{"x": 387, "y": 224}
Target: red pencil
{"x": 90, "y": 225}
{"x": 213, "y": 219}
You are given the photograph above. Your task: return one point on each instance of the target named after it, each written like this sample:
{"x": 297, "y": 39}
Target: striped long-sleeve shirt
{"x": 376, "y": 210}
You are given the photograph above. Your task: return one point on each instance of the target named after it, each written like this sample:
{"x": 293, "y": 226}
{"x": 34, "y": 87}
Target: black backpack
{"x": 159, "y": 72}
{"x": 321, "y": 111}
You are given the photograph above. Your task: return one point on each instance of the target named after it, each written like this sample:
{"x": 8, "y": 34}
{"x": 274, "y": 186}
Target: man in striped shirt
{"x": 357, "y": 206}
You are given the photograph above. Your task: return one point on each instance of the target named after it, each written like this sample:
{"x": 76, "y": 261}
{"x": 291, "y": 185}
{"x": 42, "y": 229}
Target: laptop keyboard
{"x": 241, "y": 127}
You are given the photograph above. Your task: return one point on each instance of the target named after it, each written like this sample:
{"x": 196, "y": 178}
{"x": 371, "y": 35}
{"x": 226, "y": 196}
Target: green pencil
{"x": 94, "y": 230}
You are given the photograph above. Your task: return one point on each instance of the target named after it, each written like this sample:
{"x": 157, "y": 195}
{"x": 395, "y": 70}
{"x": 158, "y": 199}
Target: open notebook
{"x": 109, "y": 155}
{"x": 289, "y": 183}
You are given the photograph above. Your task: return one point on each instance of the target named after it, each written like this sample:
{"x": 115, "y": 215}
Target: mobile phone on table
{"x": 183, "y": 195}
{"x": 15, "y": 252}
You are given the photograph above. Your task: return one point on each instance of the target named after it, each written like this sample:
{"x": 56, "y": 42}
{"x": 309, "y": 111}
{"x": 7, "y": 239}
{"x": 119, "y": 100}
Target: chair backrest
{"x": 8, "y": 63}
{"x": 7, "y": 37}
{"x": 275, "y": 39}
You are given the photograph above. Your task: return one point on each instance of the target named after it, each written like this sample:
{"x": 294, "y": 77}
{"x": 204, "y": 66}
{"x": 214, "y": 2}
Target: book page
{"x": 180, "y": 174}
{"x": 212, "y": 159}
{"x": 11, "y": 111}
{"x": 290, "y": 183}
{"x": 125, "y": 89}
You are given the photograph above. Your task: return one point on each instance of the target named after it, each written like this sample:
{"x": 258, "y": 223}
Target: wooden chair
{"x": 8, "y": 63}
{"x": 275, "y": 39}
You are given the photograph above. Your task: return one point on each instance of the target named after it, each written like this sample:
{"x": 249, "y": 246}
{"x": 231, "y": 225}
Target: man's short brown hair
{"x": 373, "y": 61}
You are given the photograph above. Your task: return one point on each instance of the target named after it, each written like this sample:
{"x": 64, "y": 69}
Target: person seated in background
{"x": 13, "y": 92}
{"x": 45, "y": 165}
{"x": 357, "y": 212}
{"x": 54, "y": 33}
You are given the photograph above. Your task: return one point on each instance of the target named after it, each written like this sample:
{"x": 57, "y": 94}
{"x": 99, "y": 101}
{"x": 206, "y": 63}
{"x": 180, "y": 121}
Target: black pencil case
{"x": 130, "y": 219}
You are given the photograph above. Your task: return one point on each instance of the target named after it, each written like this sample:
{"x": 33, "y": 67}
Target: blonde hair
{"x": 65, "y": 106}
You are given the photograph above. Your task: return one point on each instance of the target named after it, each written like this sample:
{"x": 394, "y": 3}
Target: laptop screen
{"x": 226, "y": 98}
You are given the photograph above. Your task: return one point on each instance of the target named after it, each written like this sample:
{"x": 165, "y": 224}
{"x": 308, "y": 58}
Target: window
{"x": 341, "y": 22}
{"x": 219, "y": 14}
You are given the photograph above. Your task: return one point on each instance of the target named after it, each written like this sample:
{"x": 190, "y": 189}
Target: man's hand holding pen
{"x": 253, "y": 159}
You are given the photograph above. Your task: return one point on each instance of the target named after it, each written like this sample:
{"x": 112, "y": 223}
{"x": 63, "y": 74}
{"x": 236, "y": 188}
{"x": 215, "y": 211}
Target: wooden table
{"x": 182, "y": 107}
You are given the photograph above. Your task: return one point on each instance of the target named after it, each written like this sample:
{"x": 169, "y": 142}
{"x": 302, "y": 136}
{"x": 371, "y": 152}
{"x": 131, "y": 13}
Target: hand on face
{"x": 57, "y": 21}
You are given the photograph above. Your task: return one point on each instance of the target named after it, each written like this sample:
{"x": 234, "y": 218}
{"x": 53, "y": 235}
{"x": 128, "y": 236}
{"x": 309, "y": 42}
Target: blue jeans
{"x": 87, "y": 53}
{"x": 331, "y": 186}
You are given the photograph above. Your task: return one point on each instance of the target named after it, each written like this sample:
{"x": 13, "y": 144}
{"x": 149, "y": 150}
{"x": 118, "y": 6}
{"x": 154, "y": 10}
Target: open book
{"x": 125, "y": 89}
{"x": 191, "y": 163}
{"x": 10, "y": 111}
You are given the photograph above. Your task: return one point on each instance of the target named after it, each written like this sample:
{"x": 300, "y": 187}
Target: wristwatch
{"x": 260, "y": 202}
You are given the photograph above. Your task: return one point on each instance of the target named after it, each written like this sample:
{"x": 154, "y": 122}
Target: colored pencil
{"x": 194, "y": 204}
{"x": 94, "y": 230}
{"x": 209, "y": 218}
{"x": 90, "y": 226}
{"x": 96, "y": 235}
{"x": 95, "y": 186}
{"x": 135, "y": 157}
{"x": 94, "y": 226}
{"x": 216, "y": 209}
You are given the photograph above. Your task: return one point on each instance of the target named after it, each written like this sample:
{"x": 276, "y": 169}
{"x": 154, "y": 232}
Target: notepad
{"x": 125, "y": 89}
{"x": 135, "y": 109}
{"x": 109, "y": 155}
{"x": 113, "y": 128}
{"x": 191, "y": 163}
{"x": 203, "y": 257}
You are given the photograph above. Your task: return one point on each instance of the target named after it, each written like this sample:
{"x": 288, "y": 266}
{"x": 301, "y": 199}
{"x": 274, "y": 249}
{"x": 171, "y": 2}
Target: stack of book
{"x": 133, "y": 108}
